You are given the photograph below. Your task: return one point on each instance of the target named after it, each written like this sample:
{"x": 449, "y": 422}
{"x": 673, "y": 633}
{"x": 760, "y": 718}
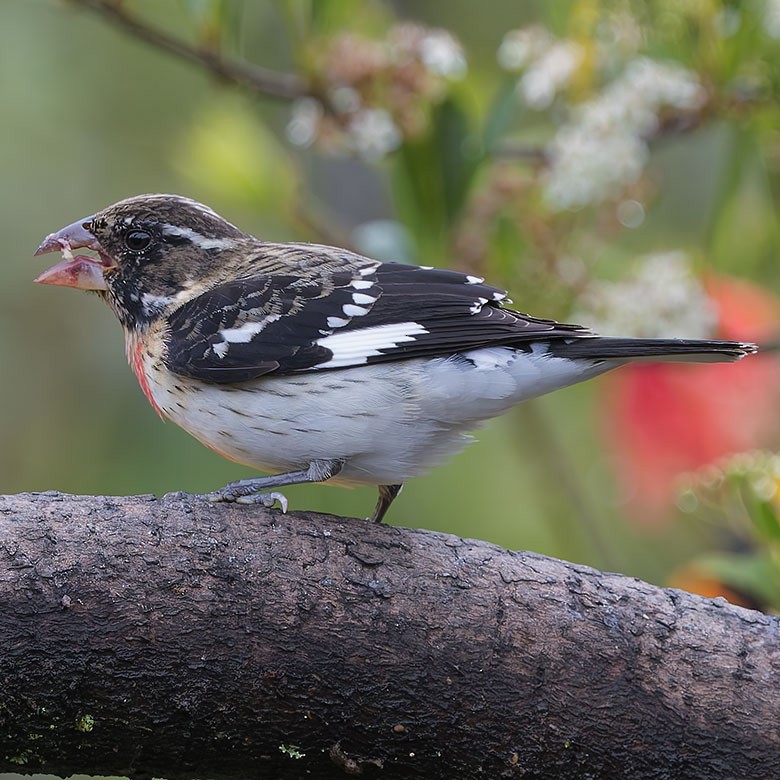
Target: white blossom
{"x": 442, "y": 54}
{"x": 373, "y": 133}
{"x": 344, "y": 99}
{"x": 661, "y": 299}
{"x": 549, "y": 64}
{"x": 589, "y": 163}
{"x": 645, "y": 86}
{"x": 549, "y": 73}
{"x": 603, "y": 148}
{"x": 520, "y": 47}
{"x": 304, "y": 119}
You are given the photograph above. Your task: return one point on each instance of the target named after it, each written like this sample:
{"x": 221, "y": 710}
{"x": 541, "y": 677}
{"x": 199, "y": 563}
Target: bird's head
{"x": 152, "y": 253}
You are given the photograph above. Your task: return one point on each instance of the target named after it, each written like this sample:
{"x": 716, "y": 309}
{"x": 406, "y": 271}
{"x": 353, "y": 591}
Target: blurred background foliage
{"x": 610, "y": 161}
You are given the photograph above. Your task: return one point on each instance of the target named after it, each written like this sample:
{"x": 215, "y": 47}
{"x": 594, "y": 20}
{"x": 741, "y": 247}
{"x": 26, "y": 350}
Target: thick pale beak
{"x": 81, "y": 271}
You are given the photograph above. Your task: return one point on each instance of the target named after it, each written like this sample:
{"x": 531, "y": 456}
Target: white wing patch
{"x": 220, "y": 349}
{"x": 241, "y": 335}
{"x": 336, "y": 322}
{"x": 476, "y": 307}
{"x": 356, "y": 346}
{"x": 350, "y": 310}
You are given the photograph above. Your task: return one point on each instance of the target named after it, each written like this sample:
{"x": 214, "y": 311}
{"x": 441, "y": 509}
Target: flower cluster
{"x": 377, "y": 92}
{"x": 603, "y": 147}
{"x": 547, "y": 64}
{"x": 758, "y": 470}
{"x": 661, "y": 299}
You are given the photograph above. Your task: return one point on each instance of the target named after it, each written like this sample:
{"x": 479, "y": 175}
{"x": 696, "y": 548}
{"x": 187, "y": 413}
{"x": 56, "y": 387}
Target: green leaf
{"x": 419, "y": 198}
{"x": 433, "y": 176}
{"x": 460, "y": 153}
{"x": 507, "y": 246}
{"x": 755, "y": 574}
{"x": 763, "y": 515}
{"x": 504, "y": 113}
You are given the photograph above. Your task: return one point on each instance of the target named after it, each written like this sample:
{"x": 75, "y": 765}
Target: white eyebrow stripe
{"x": 196, "y": 238}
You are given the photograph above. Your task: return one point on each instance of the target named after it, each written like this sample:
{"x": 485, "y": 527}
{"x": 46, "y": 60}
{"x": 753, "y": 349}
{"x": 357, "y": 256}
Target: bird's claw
{"x": 234, "y": 494}
{"x": 265, "y": 499}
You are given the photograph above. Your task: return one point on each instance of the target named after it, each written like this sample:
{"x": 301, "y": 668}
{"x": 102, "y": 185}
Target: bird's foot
{"x": 265, "y": 499}
{"x": 239, "y": 493}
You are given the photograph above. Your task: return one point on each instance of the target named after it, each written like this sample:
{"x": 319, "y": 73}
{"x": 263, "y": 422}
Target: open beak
{"x": 84, "y": 272}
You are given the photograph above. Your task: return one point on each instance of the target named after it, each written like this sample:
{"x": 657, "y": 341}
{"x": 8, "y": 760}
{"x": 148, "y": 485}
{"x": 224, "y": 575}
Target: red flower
{"x": 665, "y": 419}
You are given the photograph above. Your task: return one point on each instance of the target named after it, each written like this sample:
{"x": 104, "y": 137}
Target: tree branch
{"x": 177, "y": 638}
{"x": 286, "y": 86}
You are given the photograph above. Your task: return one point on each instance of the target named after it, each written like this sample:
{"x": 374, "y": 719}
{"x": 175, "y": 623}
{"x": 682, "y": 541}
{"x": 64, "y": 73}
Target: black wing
{"x": 283, "y": 324}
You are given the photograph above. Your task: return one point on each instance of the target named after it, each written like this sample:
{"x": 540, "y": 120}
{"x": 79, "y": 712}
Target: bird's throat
{"x": 135, "y": 356}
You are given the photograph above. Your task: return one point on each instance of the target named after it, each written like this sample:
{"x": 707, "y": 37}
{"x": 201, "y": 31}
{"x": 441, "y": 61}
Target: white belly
{"x": 387, "y": 422}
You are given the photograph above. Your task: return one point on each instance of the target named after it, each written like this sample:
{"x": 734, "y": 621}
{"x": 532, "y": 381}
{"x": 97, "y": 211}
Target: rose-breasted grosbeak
{"x": 315, "y": 362}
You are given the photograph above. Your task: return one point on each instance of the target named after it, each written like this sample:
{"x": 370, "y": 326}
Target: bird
{"x": 314, "y": 363}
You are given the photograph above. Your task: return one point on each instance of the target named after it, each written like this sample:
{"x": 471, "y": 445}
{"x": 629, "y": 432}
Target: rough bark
{"x": 177, "y": 639}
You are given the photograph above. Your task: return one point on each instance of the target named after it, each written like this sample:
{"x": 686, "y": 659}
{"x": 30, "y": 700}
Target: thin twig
{"x": 285, "y": 86}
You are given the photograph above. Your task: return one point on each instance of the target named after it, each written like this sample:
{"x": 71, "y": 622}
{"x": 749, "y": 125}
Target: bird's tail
{"x": 681, "y": 350}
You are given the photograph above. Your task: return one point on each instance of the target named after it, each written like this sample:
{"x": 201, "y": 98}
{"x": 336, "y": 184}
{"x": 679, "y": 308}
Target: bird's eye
{"x": 137, "y": 240}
